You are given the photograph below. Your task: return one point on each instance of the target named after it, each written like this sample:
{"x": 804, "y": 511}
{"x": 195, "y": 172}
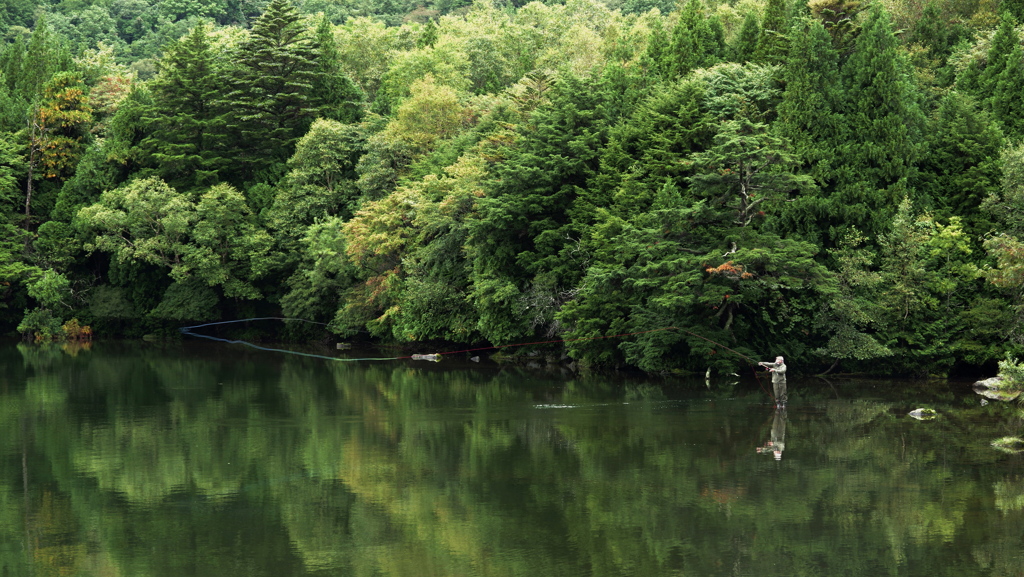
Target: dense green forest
{"x": 838, "y": 182}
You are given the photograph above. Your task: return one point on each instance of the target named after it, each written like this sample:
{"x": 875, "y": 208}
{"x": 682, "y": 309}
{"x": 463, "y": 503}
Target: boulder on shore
{"x": 996, "y": 388}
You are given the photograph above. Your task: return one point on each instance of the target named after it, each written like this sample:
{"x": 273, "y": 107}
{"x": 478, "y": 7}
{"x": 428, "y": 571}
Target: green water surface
{"x": 211, "y": 460}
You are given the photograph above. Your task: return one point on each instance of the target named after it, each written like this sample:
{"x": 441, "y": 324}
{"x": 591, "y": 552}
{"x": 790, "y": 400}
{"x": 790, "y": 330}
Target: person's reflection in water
{"x": 777, "y": 444}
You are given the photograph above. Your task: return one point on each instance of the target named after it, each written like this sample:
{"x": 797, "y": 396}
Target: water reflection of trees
{"x": 145, "y": 462}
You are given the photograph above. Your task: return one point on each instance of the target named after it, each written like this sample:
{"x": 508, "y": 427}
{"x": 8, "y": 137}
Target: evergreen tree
{"x": 1004, "y": 45}
{"x": 186, "y": 122}
{"x": 744, "y": 48}
{"x": 336, "y": 96}
{"x": 1007, "y": 100}
{"x": 1014, "y": 7}
{"x": 772, "y": 43}
{"x": 810, "y": 118}
{"x": 693, "y": 43}
{"x": 882, "y": 126}
{"x": 271, "y": 99}
{"x": 655, "y": 57}
{"x": 523, "y": 265}
{"x": 44, "y": 56}
{"x": 960, "y": 166}
{"x": 841, "y": 19}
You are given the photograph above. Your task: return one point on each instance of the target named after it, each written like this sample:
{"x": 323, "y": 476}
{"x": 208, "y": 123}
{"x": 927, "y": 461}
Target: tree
{"x": 228, "y": 248}
{"x": 744, "y": 168}
{"x": 1004, "y": 43}
{"x": 186, "y": 121}
{"x": 1007, "y": 100}
{"x": 810, "y": 117}
{"x": 852, "y": 312}
{"x": 1006, "y": 247}
{"x": 145, "y": 220}
{"x": 881, "y": 140}
{"x": 960, "y": 166}
{"x": 693, "y": 43}
{"x": 55, "y": 136}
{"x": 271, "y": 101}
{"x": 321, "y": 182}
{"x": 30, "y": 67}
{"x": 772, "y": 43}
{"x": 745, "y": 45}
{"x": 338, "y": 97}
{"x": 215, "y": 242}
{"x": 520, "y": 245}
{"x": 928, "y": 282}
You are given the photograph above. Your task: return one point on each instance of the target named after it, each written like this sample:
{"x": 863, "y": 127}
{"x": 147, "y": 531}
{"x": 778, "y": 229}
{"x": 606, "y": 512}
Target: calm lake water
{"x": 205, "y": 459}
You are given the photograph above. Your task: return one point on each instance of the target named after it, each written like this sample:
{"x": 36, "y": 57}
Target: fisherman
{"x": 778, "y": 371}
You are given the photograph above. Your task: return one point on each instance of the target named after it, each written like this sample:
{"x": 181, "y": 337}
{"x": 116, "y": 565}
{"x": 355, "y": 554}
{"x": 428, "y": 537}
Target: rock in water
{"x": 923, "y": 414}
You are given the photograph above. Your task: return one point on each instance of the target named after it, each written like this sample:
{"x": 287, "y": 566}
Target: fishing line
{"x": 752, "y": 361}
{"x": 188, "y": 331}
{"x": 436, "y": 356}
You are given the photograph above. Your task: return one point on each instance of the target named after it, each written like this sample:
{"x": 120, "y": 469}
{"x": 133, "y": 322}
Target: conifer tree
{"x": 772, "y": 41}
{"x": 746, "y": 42}
{"x": 882, "y": 126}
{"x": 810, "y": 118}
{"x": 1014, "y": 7}
{"x": 694, "y": 43}
{"x": 960, "y": 167}
{"x": 655, "y": 57}
{"x": 271, "y": 98}
{"x": 186, "y": 122}
{"x": 337, "y": 97}
{"x": 44, "y": 56}
{"x": 1005, "y": 43}
{"x": 1007, "y": 99}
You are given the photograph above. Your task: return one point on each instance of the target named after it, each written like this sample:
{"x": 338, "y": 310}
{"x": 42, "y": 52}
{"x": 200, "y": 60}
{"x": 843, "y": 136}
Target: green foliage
{"x": 270, "y": 100}
{"x": 693, "y": 43}
{"x": 961, "y": 167}
{"x": 59, "y": 126}
{"x": 544, "y": 170}
{"x": 216, "y": 240}
{"x": 41, "y": 324}
{"x": 852, "y": 310}
{"x": 339, "y": 98}
{"x": 186, "y": 122}
{"x": 745, "y": 46}
{"x": 772, "y": 43}
{"x": 322, "y": 179}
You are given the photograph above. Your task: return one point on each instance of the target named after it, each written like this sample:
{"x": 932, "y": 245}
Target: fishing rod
{"x": 735, "y": 352}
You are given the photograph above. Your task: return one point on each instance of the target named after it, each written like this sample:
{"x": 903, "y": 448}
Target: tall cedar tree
{"x": 960, "y": 167}
{"x": 744, "y": 47}
{"x": 44, "y": 56}
{"x": 271, "y": 98}
{"x": 1007, "y": 100}
{"x": 810, "y": 118}
{"x": 336, "y": 95}
{"x": 883, "y": 124}
{"x": 694, "y": 43}
{"x": 772, "y": 42}
{"x": 519, "y": 245}
{"x": 981, "y": 79}
{"x": 186, "y": 121}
